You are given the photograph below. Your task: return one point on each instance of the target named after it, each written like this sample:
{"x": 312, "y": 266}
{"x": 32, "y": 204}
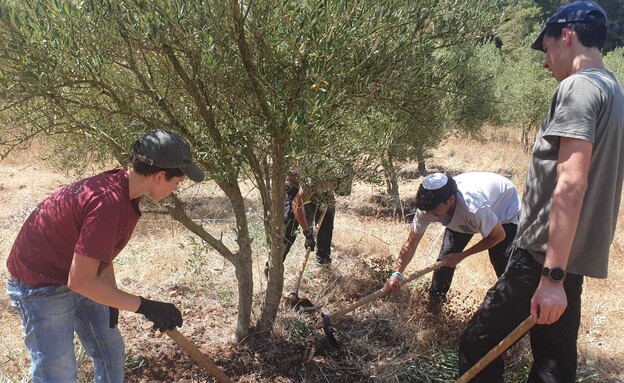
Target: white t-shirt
{"x": 483, "y": 200}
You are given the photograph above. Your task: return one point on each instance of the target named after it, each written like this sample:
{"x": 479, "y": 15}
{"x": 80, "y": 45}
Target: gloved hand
{"x": 309, "y": 242}
{"x": 113, "y": 316}
{"x": 164, "y": 315}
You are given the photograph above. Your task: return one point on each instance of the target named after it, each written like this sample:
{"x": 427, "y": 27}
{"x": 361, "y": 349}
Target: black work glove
{"x": 113, "y": 316}
{"x": 309, "y": 242}
{"x": 164, "y": 315}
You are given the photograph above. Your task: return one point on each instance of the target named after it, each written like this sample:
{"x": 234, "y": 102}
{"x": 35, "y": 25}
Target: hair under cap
{"x": 575, "y": 12}
{"x": 435, "y": 189}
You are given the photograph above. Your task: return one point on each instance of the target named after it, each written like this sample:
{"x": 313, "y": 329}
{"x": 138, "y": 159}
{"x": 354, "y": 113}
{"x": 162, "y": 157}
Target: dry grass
{"x": 390, "y": 340}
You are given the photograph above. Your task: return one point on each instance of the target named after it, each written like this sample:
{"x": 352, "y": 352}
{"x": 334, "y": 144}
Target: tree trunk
{"x": 392, "y": 184}
{"x": 241, "y": 260}
{"x": 527, "y": 137}
{"x": 422, "y": 169}
{"x": 277, "y": 173}
{"x": 275, "y": 284}
{"x": 421, "y": 157}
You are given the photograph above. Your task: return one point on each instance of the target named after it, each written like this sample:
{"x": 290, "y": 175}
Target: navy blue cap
{"x": 576, "y": 12}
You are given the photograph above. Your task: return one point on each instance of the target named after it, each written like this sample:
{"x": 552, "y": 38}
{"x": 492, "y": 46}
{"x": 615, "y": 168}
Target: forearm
{"x": 482, "y": 245}
{"x": 564, "y": 218}
{"x": 84, "y": 280}
{"x": 108, "y": 274}
{"x": 100, "y": 290}
{"x": 299, "y": 212}
{"x": 405, "y": 257}
{"x": 300, "y": 217}
{"x": 407, "y": 251}
{"x": 496, "y": 235}
{"x": 572, "y": 174}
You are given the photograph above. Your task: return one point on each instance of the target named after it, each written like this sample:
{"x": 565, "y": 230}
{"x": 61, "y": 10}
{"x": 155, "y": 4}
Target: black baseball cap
{"x": 167, "y": 150}
{"x": 576, "y": 12}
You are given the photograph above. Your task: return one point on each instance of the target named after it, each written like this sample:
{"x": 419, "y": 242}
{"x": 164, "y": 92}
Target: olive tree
{"x": 450, "y": 88}
{"x": 523, "y": 90}
{"x": 614, "y": 61}
{"x": 254, "y": 86}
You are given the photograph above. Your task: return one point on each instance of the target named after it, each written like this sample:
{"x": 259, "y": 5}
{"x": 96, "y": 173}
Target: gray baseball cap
{"x": 166, "y": 149}
{"x": 576, "y": 12}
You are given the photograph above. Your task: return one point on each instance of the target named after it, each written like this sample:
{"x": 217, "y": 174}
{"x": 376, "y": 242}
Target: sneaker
{"x": 434, "y": 306}
{"x": 323, "y": 261}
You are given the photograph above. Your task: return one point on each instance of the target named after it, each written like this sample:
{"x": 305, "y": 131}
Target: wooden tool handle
{"x": 308, "y": 251}
{"x": 198, "y": 356}
{"x": 371, "y": 297}
{"x": 495, "y": 352}
{"x": 305, "y": 261}
{"x": 424, "y": 271}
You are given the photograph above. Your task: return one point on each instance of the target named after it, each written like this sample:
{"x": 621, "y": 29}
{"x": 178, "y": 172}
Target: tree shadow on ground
{"x": 393, "y": 337}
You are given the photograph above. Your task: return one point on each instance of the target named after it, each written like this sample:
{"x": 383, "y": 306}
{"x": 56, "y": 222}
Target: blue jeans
{"x": 50, "y": 316}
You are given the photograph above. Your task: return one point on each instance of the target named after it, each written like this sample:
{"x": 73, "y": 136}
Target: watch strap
{"x": 555, "y": 274}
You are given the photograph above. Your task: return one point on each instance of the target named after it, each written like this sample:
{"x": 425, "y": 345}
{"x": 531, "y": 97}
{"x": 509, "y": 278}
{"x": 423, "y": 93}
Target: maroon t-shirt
{"x": 93, "y": 217}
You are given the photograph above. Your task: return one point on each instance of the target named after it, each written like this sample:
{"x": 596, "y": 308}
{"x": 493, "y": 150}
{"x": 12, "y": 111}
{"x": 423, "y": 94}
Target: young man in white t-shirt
{"x": 470, "y": 203}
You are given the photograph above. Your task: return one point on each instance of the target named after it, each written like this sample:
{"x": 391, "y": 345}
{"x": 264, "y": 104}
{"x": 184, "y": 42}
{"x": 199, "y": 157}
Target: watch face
{"x": 557, "y": 274}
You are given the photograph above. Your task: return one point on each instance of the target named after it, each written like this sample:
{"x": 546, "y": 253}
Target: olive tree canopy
{"x": 254, "y": 86}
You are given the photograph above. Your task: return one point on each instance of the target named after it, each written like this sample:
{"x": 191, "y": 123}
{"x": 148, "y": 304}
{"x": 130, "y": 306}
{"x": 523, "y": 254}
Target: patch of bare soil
{"x": 154, "y": 357}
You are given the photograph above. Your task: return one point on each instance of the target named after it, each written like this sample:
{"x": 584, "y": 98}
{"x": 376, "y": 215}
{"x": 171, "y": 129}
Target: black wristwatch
{"x": 556, "y": 274}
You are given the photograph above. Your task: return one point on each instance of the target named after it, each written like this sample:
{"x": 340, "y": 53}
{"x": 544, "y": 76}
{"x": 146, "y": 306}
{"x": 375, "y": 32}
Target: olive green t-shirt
{"x": 589, "y": 105}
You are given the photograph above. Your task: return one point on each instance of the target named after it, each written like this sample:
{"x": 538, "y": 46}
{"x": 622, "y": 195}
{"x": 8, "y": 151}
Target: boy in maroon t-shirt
{"x": 61, "y": 277}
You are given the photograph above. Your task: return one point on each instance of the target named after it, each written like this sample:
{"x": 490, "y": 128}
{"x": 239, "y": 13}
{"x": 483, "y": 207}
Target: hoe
{"x": 198, "y": 356}
{"x": 504, "y": 344}
{"x": 332, "y": 318}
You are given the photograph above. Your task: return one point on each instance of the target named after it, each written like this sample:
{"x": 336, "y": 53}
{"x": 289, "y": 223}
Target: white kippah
{"x": 434, "y": 181}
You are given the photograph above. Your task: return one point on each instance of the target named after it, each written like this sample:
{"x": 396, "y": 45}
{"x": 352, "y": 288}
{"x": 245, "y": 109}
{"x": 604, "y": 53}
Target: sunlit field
{"x": 390, "y": 340}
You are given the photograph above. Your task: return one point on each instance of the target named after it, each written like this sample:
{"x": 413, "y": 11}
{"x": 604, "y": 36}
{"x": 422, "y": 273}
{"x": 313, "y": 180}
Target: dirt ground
{"x": 390, "y": 340}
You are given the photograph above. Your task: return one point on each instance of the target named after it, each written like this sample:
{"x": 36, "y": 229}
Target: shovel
{"x": 297, "y": 303}
{"x": 504, "y": 344}
{"x": 301, "y": 304}
{"x": 198, "y": 356}
{"x": 332, "y": 318}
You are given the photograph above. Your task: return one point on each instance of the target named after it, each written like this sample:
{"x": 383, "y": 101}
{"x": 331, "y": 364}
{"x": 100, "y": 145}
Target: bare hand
{"x": 549, "y": 302}
{"x": 393, "y": 285}
{"x": 453, "y": 259}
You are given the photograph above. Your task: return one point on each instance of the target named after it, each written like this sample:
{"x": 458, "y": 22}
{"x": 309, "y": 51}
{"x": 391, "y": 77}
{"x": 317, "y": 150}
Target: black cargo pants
{"x": 313, "y": 215}
{"x": 505, "y": 306}
{"x": 455, "y": 242}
